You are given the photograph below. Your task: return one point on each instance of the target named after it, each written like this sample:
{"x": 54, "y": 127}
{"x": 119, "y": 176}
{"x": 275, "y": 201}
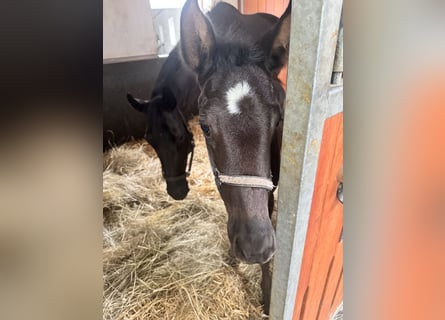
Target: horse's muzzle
{"x": 256, "y": 248}
{"x": 178, "y": 190}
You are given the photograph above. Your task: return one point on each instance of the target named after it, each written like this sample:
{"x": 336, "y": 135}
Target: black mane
{"x": 237, "y": 54}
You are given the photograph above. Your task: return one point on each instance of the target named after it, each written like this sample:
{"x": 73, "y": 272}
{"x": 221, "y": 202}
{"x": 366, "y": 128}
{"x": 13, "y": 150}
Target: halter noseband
{"x": 186, "y": 173}
{"x": 243, "y": 181}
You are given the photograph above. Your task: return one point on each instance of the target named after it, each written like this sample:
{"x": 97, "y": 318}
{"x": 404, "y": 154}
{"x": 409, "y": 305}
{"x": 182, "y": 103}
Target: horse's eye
{"x": 205, "y": 128}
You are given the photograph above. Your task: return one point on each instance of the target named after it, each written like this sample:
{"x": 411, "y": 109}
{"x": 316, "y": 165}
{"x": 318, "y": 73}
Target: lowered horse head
{"x": 241, "y": 111}
{"x": 168, "y": 133}
{"x": 173, "y": 101}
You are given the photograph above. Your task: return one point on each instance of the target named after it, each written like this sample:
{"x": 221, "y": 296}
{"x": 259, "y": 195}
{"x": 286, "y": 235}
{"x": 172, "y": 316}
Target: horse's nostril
{"x": 241, "y": 249}
{"x": 259, "y": 250}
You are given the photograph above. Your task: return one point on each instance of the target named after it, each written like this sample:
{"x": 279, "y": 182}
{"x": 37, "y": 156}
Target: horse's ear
{"x": 197, "y": 38}
{"x": 275, "y": 43}
{"x": 139, "y": 104}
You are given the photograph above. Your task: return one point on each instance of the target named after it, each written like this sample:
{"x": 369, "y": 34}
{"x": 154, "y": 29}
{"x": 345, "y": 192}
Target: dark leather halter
{"x": 190, "y": 161}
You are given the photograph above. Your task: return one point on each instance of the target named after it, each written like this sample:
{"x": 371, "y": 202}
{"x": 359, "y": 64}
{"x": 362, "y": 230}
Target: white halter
{"x": 243, "y": 181}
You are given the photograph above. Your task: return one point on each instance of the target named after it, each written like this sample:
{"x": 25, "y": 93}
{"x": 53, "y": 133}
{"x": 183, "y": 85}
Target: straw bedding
{"x": 167, "y": 259}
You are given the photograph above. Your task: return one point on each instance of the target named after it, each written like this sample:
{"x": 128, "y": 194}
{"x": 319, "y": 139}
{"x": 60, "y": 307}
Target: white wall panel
{"x": 128, "y": 30}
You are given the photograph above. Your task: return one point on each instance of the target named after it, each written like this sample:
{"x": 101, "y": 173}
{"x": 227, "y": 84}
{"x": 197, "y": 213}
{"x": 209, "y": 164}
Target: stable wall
{"x": 136, "y": 77}
{"x": 128, "y": 30}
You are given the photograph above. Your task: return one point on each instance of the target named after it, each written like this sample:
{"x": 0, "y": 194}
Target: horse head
{"x": 240, "y": 111}
{"x": 168, "y": 133}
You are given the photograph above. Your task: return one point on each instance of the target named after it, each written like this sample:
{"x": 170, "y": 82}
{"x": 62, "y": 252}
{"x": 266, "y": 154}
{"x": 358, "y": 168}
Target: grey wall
{"x": 120, "y": 120}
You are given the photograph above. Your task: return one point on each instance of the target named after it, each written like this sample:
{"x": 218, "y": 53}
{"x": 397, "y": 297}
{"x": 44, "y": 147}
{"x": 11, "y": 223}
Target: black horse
{"x": 174, "y": 100}
{"x": 241, "y": 110}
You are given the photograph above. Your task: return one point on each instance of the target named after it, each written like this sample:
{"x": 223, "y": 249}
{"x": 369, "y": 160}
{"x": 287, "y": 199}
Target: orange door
{"x": 320, "y": 288}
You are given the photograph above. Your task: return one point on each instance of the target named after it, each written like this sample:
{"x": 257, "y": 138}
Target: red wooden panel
{"x": 334, "y": 283}
{"x": 275, "y": 7}
{"x": 331, "y": 225}
{"x": 261, "y": 7}
{"x": 320, "y": 284}
{"x": 329, "y": 139}
{"x": 270, "y": 7}
{"x": 338, "y": 298}
{"x": 250, "y": 6}
{"x": 279, "y": 7}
